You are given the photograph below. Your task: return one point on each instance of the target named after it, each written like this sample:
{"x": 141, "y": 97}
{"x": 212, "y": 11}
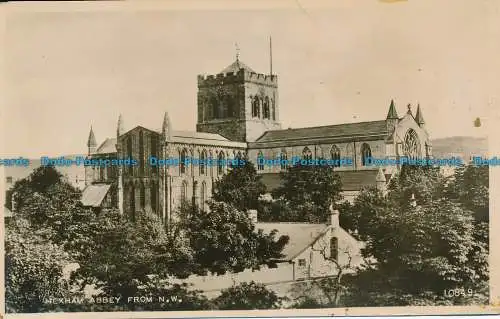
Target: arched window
{"x": 221, "y": 163}
{"x": 411, "y": 146}
{"x": 365, "y": 153}
{"x": 203, "y": 162}
{"x": 184, "y": 188}
{"x": 334, "y": 248}
{"x": 153, "y": 194}
{"x": 132, "y": 202}
{"x": 256, "y": 107}
{"x": 283, "y": 159}
{"x": 203, "y": 195}
{"x": 129, "y": 154}
{"x": 273, "y": 109}
{"x": 141, "y": 153}
{"x": 154, "y": 151}
{"x": 306, "y": 153}
{"x": 109, "y": 172}
{"x": 182, "y": 161}
{"x": 266, "y": 112}
{"x": 143, "y": 197}
{"x": 260, "y": 164}
{"x": 335, "y": 154}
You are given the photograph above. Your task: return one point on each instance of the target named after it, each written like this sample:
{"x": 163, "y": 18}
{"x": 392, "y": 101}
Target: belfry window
{"x": 256, "y": 107}
{"x": 266, "y": 112}
{"x": 273, "y": 109}
{"x": 366, "y": 152}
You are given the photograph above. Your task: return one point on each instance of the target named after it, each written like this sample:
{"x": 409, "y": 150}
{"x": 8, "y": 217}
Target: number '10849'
{"x": 457, "y": 292}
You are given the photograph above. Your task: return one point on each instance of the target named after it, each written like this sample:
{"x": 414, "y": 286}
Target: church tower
{"x": 238, "y": 103}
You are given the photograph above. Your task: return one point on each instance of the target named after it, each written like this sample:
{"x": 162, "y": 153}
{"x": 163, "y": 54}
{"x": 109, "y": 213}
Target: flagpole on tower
{"x": 270, "y": 56}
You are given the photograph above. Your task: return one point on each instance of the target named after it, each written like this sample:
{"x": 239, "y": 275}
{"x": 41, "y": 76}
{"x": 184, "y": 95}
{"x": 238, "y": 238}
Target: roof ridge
{"x": 322, "y": 126}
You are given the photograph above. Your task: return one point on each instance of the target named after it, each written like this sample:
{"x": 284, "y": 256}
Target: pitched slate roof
{"x": 356, "y": 180}
{"x": 94, "y": 194}
{"x": 108, "y": 146}
{"x": 339, "y": 131}
{"x": 236, "y": 66}
{"x": 302, "y": 235}
{"x": 351, "y": 180}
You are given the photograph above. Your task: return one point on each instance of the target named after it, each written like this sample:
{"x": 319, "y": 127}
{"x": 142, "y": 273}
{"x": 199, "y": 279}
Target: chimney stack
{"x": 334, "y": 217}
{"x": 252, "y": 214}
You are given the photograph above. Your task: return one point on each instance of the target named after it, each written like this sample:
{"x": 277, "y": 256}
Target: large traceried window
{"x": 411, "y": 145}
{"x": 335, "y": 155}
{"x": 306, "y": 153}
{"x": 365, "y": 153}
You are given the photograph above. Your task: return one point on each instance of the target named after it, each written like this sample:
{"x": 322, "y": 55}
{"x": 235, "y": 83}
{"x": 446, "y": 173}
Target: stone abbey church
{"x": 238, "y": 116}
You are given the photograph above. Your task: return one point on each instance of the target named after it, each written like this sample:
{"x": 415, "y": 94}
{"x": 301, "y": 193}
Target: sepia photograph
{"x": 192, "y": 158}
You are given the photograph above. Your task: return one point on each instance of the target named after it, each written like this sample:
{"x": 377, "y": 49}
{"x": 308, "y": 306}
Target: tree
{"x": 33, "y": 269}
{"x": 420, "y": 250}
{"x": 310, "y": 190}
{"x": 424, "y": 182}
{"x": 149, "y": 251}
{"x": 470, "y": 187}
{"x": 224, "y": 239}
{"x": 241, "y": 187}
{"x": 49, "y": 202}
{"x": 247, "y": 296}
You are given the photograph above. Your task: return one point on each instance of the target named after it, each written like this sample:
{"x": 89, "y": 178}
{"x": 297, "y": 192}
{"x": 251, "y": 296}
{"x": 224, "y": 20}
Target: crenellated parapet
{"x": 237, "y": 78}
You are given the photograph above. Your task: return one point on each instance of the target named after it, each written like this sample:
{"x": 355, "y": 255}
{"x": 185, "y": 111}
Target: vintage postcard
{"x": 211, "y": 158}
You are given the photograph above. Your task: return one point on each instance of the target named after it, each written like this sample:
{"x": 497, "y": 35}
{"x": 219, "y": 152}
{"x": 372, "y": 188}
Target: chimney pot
{"x": 334, "y": 217}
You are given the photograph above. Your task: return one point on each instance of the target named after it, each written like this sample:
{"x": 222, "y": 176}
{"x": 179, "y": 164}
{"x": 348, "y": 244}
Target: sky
{"x": 70, "y": 66}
